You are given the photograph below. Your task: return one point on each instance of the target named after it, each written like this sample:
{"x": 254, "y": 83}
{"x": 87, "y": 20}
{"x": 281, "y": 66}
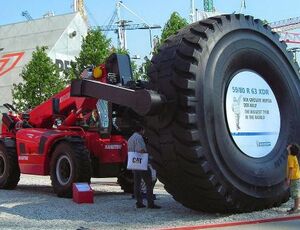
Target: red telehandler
{"x": 220, "y": 107}
{"x": 57, "y": 138}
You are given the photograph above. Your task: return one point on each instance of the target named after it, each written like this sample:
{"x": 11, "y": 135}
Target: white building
{"x": 62, "y": 35}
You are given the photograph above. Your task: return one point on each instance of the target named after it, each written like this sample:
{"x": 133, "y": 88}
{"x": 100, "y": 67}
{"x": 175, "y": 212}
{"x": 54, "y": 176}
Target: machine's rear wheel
{"x": 70, "y": 163}
{"x": 232, "y": 107}
{"x": 125, "y": 180}
{"x": 9, "y": 168}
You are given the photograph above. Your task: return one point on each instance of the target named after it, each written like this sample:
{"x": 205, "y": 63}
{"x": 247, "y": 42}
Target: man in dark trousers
{"x": 136, "y": 144}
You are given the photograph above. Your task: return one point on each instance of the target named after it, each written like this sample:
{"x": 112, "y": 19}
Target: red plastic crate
{"x": 82, "y": 193}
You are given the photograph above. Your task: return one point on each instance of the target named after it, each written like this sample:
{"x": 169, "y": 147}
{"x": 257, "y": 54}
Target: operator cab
{"x": 97, "y": 119}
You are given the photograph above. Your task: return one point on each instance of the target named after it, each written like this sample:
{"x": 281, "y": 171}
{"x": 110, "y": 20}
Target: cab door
{"x": 31, "y": 160}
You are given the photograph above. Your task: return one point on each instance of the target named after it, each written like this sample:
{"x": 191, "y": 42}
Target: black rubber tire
{"x": 9, "y": 167}
{"x": 70, "y": 163}
{"x": 125, "y": 180}
{"x": 194, "y": 155}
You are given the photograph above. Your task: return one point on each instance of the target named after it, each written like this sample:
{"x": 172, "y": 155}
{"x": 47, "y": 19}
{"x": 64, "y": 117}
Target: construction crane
{"x": 290, "y": 37}
{"x": 295, "y": 50}
{"x": 109, "y": 26}
{"x": 208, "y": 6}
{"x": 125, "y": 24}
{"x": 27, "y": 15}
{"x": 285, "y": 25}
{"x": 193, "y": 16}
{"x": 122, "y": 25}
{"x": 282, "y": 27}
{"x": 243, "y": 6}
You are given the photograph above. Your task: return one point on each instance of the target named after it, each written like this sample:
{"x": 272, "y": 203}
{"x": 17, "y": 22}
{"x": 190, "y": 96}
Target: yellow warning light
{"x": 97, "y": 72}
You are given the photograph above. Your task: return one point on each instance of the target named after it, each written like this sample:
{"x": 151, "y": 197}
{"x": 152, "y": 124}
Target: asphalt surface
{"x": 33, "y": 205}
{"x": 282, "y": 223}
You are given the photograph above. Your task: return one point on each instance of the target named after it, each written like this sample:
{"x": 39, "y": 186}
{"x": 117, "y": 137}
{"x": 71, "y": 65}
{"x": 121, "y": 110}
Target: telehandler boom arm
{"x": 142, "y": 101}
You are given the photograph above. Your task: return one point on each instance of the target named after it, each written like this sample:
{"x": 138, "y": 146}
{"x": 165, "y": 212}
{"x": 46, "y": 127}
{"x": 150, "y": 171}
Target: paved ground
{"x": 33, "y": 205}
{"x": 282, "y": 223}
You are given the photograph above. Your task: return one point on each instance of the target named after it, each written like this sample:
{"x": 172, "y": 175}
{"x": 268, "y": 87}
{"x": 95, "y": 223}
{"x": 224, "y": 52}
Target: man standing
{"x": 136, "y": 144}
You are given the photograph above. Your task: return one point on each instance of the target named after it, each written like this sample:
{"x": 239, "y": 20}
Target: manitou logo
{"x": 9, "y": 61}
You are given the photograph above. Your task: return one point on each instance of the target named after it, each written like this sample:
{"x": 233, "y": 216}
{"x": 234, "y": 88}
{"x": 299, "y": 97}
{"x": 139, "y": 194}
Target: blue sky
{"x": 152, "y": 11}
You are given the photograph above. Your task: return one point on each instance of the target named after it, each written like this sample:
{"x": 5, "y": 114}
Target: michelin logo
{"x": 263, "y": 143}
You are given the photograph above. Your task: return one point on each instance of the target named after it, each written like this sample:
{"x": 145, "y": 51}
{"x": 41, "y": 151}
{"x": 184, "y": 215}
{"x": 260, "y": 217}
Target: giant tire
{"x": 194, "y": 153}
{"x": 70, "y": 163}
{"x": 9, "y": 167}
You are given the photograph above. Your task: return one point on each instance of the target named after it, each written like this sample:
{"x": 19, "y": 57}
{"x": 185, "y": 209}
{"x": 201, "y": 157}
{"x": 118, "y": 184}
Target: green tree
{"x": 141, "y": 73}
{"x": 175, "y": 23}
{"x": 41, "y": 79}
{"x": 95, "y": 49}
{"x": 119, "y": 50}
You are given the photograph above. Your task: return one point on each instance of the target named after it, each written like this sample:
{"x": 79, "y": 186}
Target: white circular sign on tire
{"x": 252, "y": 114}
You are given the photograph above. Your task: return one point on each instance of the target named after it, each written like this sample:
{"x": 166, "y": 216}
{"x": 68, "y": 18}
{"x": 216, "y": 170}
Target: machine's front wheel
{"x": 232, "y": 95}
{"x": 70, "y": 163}
{"x": 9, "y": 168}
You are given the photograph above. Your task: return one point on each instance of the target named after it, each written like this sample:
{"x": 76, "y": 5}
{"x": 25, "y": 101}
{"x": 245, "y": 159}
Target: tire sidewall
{"x": 62, "y": 150}
{"x": 265, "y": 58}
{"x": 3, "y": 156}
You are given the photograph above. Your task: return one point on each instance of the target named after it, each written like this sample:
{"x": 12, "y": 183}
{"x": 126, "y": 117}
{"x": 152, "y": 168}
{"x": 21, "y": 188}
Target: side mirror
{"x": 55, "y": 106}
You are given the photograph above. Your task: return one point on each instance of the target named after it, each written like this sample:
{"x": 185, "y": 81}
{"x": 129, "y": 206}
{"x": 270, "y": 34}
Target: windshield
{"x": 102, "y": 107}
